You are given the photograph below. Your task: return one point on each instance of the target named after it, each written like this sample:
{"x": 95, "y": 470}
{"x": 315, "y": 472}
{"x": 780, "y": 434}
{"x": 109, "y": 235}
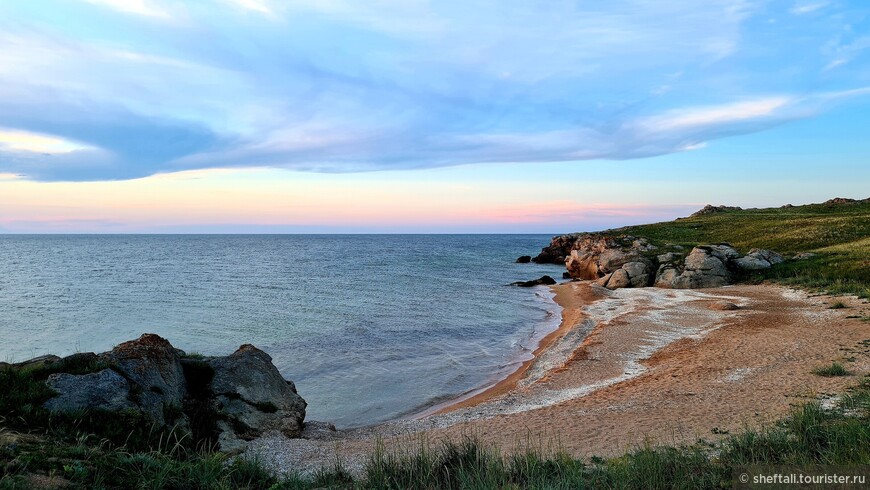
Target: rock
{"x": 769, "y": 255}
{"x": 566, "y": 275}
{"x": 803, "y": 256}
{"x": 669, "y": 257}
{"x": 786, "y": 206}
{"x": 751, "y": 263}
{"x": 724, "y": 306}
{"x": 152, "y": 365}
{"x": 318, "y": 430}
{"x": 542, "y": 281}
{"x": 710, "y": 209}
{"x": 666, "y": 277}
{"x": 639, "y": 273}
{"x": 595, "y": 255}
{"x": 840, "y": 200}
{"x": 758, "y": 259}
{"x": 254, "y": 398}
{"x": 704, "y": 267}
{"x": 603, "y": 280}
{"x": 79, "y": 360}
{"x": 524, "y": 259}
{"x": 103, "y": 390}
{"x": 558, "y": 249}
{"x": 40, "y": 362}
{"x": 618, "y": 279}
{"x": 724, "y": 252}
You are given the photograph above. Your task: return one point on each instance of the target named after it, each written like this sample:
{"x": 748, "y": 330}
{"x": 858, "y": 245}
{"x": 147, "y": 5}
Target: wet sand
{"x": 635, "y": 366}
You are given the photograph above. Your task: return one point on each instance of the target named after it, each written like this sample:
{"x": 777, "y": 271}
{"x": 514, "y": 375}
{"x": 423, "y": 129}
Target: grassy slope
{"x": 838, "y": 234}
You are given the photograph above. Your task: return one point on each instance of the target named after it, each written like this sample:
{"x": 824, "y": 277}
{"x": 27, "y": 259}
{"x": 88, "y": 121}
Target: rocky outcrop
{"x": 624, "y": 261}
{"x": 151, "y": 364}
{"x": 704, "y": 267}
{"x": 758, "y": 259}
{"x": 558, "y": 249}
{"x": 542, "y": 281}
{"x": 103, "y": 390}
{"x": 254, "y": 397}
{"x": 845, "y": 200}
{"x": 242, "y": 395}
{"x": 710, "y": 209}
{"x": 524, "y": 259}
{"x": 614, "y": 261}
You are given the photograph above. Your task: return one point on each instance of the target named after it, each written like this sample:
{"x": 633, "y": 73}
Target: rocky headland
{"x": 618, "y": 261}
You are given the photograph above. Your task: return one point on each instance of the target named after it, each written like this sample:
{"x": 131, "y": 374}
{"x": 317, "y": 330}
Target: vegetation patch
{"x": 837, "y": 236}
{"x": 835, "y": 369}
{"x": 809, "y": 435}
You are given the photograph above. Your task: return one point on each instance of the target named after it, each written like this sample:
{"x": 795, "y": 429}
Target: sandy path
{"x": 638, "y": 365}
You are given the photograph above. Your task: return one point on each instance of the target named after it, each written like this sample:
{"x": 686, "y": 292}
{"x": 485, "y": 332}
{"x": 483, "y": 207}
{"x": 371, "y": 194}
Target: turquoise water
{"x": 370, "y": 327}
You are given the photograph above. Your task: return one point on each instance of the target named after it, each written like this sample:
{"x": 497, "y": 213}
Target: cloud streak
{"x": 340, "y": 86}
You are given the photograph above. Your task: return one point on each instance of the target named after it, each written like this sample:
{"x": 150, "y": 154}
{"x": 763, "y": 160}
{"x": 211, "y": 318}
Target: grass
{"x": 835, "y": 369}
{"x": 809, "y": 435}
{"x": 838, "y": 235}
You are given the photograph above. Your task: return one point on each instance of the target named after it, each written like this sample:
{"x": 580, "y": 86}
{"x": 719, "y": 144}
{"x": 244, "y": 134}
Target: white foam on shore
{"x": 659, "y": 309}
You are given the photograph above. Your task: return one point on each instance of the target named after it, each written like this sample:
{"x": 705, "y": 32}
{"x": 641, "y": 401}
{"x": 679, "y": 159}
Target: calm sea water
{"x": 370, "y": 327}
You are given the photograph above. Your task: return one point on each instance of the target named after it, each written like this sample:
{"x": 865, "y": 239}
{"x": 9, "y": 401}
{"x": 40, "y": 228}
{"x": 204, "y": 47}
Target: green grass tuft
{"x": 835, "y": 369}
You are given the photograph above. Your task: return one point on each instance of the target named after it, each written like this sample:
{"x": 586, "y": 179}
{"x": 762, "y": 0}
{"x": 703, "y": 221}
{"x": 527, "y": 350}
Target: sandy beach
{"x": 634, "y": 366}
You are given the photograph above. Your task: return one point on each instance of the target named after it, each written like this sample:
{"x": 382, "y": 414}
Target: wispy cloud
{"x": 802, "y": 8}
{"x": 144, "y": 8}
{"x": 405, "y": 85}
{"x": 37, "y": 143}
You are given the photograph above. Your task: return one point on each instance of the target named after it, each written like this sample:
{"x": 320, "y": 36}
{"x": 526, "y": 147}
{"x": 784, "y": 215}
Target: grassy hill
{"x": 838, "y": 233}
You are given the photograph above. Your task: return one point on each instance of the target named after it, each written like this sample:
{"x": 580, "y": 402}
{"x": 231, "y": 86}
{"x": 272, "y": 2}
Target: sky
{"x": 417, "y": 116}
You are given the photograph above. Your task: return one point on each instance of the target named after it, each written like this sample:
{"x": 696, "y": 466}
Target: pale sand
{"x": 633, "y": 366}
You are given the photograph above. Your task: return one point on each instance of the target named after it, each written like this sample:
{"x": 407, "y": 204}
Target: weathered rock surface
{"x": 153, "y": 365}
{"x": 542, "y": 281}
{"x": 254, "y": 396}
{"x": 704, "y": 267}
{"x": 615, "y": 261}
{"x": 38, "y": 362}
{"x": 103, "y": 390}
{"x": 558, "y": 249}
{"x": 524, "y": 259}
{"x": 710, "y": 209}
{"x": 758, "y": 259}
{"x": 244, "y": 392}
{"x": 622, "y": 261}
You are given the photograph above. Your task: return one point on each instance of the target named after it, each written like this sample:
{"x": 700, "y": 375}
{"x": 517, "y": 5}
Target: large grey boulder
{"x": 253, "y": 397}
{"x": 758, "y": 259}
{"x": 630, "y": 275}
{"x": 152, "y": 365}
{"x": 103, "y": 390}
{"x": 704, "y": 267}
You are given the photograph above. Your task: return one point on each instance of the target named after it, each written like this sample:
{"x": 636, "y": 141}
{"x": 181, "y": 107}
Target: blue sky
{"x": 752, "y": 103}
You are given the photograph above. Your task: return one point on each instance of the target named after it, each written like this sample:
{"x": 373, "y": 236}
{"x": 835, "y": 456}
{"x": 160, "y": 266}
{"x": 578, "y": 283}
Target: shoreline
{"x": 571, "y": 316}
{"x": 654, "y": 365}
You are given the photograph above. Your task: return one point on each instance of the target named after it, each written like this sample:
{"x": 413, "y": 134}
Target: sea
{"x": 369, "y": 327}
